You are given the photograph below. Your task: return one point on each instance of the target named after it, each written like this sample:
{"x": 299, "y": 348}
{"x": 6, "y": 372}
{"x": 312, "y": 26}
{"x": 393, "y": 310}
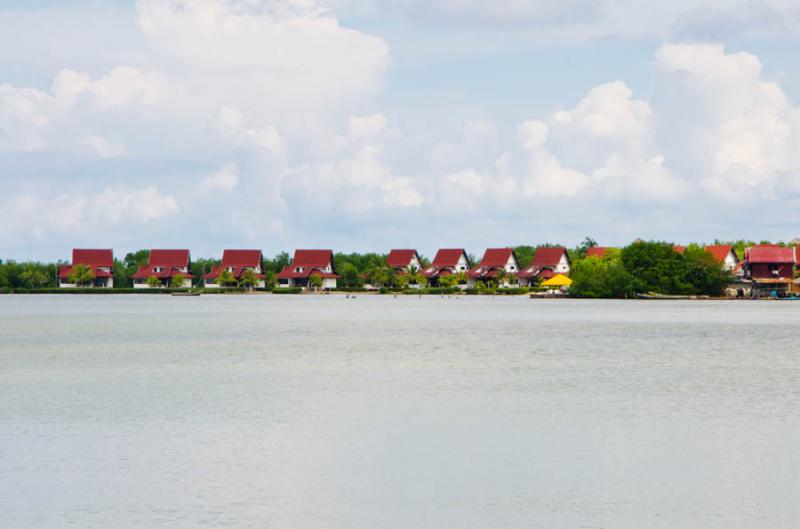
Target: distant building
{"x": 770, "y": 268}
{"x": 164, "y": 265}
{"x": 306, "y": 264}
{"x": 725, "y": 254}
{"x": 404, "y": 261}
{"x": 596, "y": 251}
{"x": 547, "y": 262}
{"x": 101, "y": 262}
{"x": 679, "y": 249}
{"x": 237, "y": 262}
{"x": 447, "y": 262}
{"x": 494, "y": 260}
{"x": 769, "y": 261}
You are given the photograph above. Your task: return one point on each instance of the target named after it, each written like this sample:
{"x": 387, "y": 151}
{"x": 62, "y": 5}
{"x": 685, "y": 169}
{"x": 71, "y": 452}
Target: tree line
{"x": 644, "y": 267}
{"x": 639, "y": 267}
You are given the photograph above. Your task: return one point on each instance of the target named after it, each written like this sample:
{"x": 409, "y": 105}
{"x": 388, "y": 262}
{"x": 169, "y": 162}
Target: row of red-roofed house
{"x": 761, "y": 263}
{"x": 165, "y": 267}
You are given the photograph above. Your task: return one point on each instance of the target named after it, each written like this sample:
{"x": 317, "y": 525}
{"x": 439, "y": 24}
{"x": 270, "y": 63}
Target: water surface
{"x": 381, "y": 412}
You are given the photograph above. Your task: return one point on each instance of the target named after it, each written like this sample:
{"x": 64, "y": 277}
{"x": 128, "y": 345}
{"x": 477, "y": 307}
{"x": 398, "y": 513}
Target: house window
{"x": 299, "y": 269}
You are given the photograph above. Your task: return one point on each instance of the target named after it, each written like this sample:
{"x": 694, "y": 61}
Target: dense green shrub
{"x": 287, "y": 290}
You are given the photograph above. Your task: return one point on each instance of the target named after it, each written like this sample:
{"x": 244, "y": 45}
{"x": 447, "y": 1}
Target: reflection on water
{"x": 306, "y": 412}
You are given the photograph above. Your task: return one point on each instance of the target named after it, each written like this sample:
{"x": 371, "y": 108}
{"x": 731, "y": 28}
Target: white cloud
{"x": 268, "y": 57}
{"x": 737, "y": 131}
{"x": 224, "y": 180}
{"x": 39, "y": 215}
{"x": 367, "y": 126}
{"x": 104, "y": 148}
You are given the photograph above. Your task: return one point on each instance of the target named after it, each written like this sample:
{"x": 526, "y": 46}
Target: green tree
{"x": 656, "y": 267}
{"x": 350, "y": 276}
{"x": 177, "y": 281}
{"x": 278, "y": 263}
{"x": 81, "y": 275}
{"x": 704, "y": 273}
{"x": 270, "y": 280}
{"x": 416, "y": 277}
{"x": 153, "y": 282}
{"x": 601, "y": 278}
{"x": 584, "y": 246}
{"x": 34, "y": 276}
{"x": 448, "y": 281}
{"x": 225, "y": 278}
{"x": 248, "y": 279}
{"x": 315, "y": 281}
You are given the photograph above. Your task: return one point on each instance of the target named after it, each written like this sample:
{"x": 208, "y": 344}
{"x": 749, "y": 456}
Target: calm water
{"x": 322, "y": 412}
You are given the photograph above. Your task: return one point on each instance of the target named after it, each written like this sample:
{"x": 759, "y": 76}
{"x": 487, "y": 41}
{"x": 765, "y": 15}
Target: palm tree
{"x": 225, "y": 278}
{"x": 315, "y": 281}
{"x": 177, "y": 281}
{"x": 153, "y": 282}
{"x": 81, "y": 274}
{"x": 501, "y": 276}
{"x": 248, "y": 278}
{"x": 448, "y": 281}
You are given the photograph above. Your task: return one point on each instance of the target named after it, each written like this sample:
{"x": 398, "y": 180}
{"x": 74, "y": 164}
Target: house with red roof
{"x": 769, "y": 261}
{"x": 725, "y": 254}
{"x": 447, "y": 261}
{"x": 546, "y": 263}
{"x": 101, "y": 262}
{"x": 164, "y": 265}
{"x": 403, "y": 261}
{"x": 679, "y": 249}
{"x": 494, "y": 261}
{"x": 596, "y": 251}
{"x": 307, "y": 264}
{"x": 237, "y": 262}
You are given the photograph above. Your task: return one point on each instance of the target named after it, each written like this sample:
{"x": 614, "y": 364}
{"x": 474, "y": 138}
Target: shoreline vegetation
{"x": 642, "y": 267}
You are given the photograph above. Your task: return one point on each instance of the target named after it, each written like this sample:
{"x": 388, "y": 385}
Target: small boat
{"x": 653, "y": 295}
{"x": 185, "y": 293}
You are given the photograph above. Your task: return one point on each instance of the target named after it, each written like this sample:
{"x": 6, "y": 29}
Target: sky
{"x": 366, "y": 125}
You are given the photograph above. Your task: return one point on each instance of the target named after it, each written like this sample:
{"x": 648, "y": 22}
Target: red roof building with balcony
{"x": 165, "y": 265}
{"x": 546, "y": 263}
{"x": 494, "y": 260}
{"x": 403, "y": 261}
{"x": 237, "y": 262}
{"x": 101, "y": 262}
{"x": 769, "y": 261}
{"x": 447, "y": 262}
{"x": 307, "y": 264}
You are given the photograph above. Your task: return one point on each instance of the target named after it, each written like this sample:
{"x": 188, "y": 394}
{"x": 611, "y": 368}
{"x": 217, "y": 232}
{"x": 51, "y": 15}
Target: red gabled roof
{"x": 170, "y": 261}
{"x": 496, "y": 256}
{"x": 313, "y": 262}
{"x": 447, "y": 257}
{"x": 597, "y": 251}
{"x": 401, "y": 258}
{"x": 549, "y": 256}
{"x": 494, "y": 259}
{"x": 93, "y": 258}
{"x": 721, "y": 251}
{"x": 445, "y": 261}
{"x": 543, "y": 262}
{"x": 679, "y": 249}
{"x": 176, "y": 258}
{"x": 770, "y": 253}
{"x": 239, "y": 261}
{"x": 242, "y": 258}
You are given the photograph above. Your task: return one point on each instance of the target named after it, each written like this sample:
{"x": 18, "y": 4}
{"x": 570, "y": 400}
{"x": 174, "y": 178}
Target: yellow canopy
{"x": 558, "y": 280}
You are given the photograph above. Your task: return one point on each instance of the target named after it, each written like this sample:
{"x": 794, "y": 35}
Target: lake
{"x": 380, "y": 412}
